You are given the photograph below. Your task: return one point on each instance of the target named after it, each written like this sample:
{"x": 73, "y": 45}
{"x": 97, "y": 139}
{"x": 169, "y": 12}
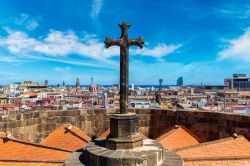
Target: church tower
{"x": 77, "y": 86}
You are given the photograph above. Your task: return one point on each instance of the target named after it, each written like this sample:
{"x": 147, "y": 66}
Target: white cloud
{"x": 96, "y": 8}
{"x": 72, "y": 61}
{"x": 62, "y": 69}
{"x": 158, "y": 51}
{"x": 26, "y": 21}
{"x": 238, "y": 49}
{"x": 9, "y": 59}
{"x": 32, "y": 25}
{"x": 59, "y": 46}
{"x": 18, "y": 41}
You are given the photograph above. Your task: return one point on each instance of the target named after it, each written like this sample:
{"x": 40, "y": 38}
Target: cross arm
{"x": 136, "y": 42}
{"x": 111, "y": 42}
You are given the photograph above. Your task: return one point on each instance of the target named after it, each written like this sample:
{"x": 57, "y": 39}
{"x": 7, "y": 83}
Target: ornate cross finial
{"x": 124, "y": 42}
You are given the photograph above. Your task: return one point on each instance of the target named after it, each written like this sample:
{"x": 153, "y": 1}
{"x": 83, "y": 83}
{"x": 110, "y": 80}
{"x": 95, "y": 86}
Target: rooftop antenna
{"x": 92, "y": 97}
{"x": 160, "y": 84}
{"x": 92, "y": 80}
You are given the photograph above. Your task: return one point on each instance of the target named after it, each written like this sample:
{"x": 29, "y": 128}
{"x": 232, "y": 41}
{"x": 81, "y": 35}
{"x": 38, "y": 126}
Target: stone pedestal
{"x": 125, "y": 146}
{"x": 124, "y": 132}
{"x": 150, "y": 154}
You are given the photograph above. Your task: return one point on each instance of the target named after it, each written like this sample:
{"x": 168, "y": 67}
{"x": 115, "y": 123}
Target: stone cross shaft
{"x": 124, "y": 42}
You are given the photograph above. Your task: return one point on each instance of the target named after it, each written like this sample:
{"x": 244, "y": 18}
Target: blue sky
{"x": 60, "y": 40}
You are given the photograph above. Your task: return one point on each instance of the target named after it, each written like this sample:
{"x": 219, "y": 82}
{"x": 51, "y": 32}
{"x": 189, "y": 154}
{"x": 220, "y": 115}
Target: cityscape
{"x": 124, "y": 83}
{"x": 232, "y": 97}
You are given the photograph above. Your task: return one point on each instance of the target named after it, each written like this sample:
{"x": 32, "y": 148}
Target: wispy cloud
{"x": 238, "y": 11}
{"x": 238, "y": 49}
{"x": 158, "y": 51}
{"x": 25, "y": 20}
{"x": 62, "y": 69}
{"x": 96, "y": 8}
{"x": 59, "y": 46}
{"x": 9, "y": 59}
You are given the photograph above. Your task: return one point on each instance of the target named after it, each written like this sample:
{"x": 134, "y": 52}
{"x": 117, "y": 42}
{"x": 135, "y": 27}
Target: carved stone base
{"x": 151, "y": 154}
{"x": 124, "y": 132}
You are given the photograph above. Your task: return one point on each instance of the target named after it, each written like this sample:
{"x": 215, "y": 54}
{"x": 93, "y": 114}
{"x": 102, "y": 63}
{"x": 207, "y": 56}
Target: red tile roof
{"x": 105, "y": 134}
{"x": 243, "y": 162}
{"x": 228, "y": 147}
{"x": 228, "y": 151}
{"x": 8, "y": 163}
{"x": 177, "y": 138}
{"x": 22, "y": 151}
{"x": 2, "y": 134}
{"x": 30, "y": 93}
{"x": 73, "y": 139}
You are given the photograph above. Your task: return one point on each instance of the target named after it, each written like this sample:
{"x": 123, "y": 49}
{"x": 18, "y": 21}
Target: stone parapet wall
{"x": 35, "y": 126}
{"x": 207, "y": 126}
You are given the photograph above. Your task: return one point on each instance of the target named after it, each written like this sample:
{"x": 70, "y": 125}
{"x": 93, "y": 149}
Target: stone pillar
{"x": 124, "y": 132}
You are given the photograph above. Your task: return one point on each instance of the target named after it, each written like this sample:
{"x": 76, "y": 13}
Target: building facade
{"x": 179, "y": 81}
{"x": 238, "y": 82}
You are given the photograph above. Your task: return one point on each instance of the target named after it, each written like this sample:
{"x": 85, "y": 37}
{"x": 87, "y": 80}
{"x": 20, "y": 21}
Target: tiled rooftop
{"x": 29, "y": 164}
{"x": 30, "y": 93}
{"x": 105, "y": 134}
{"x": 2, "y": 134}
{"x": 56, "y": 148}
{"x": 228, "y": 147}
{"x": 73, "y": 139}
{"x": 16, "y": 150}
{"x": 226, "y": 152}
{"x": 242, "y": 162}
{"x": 177, "y": 138}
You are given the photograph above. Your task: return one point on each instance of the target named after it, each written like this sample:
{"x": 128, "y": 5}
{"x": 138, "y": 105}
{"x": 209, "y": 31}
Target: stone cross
{"x": 124, "y": 42}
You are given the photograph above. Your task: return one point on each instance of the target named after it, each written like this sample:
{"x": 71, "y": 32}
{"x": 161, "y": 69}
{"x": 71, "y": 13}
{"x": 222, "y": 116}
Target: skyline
{"x": 60, "y": 41}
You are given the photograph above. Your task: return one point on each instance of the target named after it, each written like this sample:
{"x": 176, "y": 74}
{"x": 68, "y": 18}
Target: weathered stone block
{"x": 11, "y": 124}
{"x": 71, "y": 113}
{"x": 43, "y": 115}
{"x": 11, "y": 117}
{"x": 83, "y": 112}
{"x": 26, "y": 115}
{"x": 35, "y": 115}
{"x": 4, "y": 118}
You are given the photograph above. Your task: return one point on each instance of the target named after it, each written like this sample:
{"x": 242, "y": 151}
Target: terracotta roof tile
{"x": 2, "y": 134}
{"x": 73, "y": 139}
{"x": 13, "y": 149}
{"x": 243, "y": 162}
{"x": 220, "y": 149}
{"x": 177, "y": 138}
{"x": 105, "y": 134}
{"x": 30, "y": 93}
{"x": 29, "y": 164}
